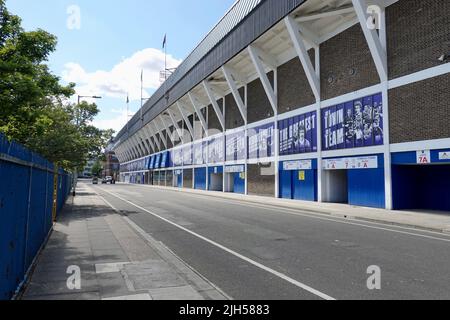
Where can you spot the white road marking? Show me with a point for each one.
(323, 216)
(234, 253)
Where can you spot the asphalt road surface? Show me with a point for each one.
(261, 252)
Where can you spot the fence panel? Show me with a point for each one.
(26, 203)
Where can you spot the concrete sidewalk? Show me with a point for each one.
(430, 221)
(117, 260)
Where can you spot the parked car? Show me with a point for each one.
(109, 180)
(95, 180)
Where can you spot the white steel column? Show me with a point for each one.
(175, 125)
(299, 45)
(158, 131)
(149, 138)
(231, 76)
(377, 49)
(258, 56)
(186, 119)
(386, 121)
(214, 103)
(161, 128)
(198, 111)
(166, 127)
(153, 132)
(142, 137)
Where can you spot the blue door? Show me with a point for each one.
(286, 184)
(304, 185)
(179, 181)
(200, 178)
(239, 182)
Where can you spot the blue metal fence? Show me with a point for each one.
(27, 190)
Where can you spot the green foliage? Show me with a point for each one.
(97, 169)
(34, 106)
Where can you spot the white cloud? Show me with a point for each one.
(116, 123)
(123, 78)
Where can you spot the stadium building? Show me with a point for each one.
(341, 101)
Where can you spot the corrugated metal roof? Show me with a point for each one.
(239, 10)
(241, 25)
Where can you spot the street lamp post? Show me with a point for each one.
(75, 172)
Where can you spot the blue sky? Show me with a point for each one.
(115, 40)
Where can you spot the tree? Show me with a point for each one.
(67, 136)
(34, 107)
(97, 169)
(26, 84)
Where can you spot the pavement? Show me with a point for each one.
(261, 249)
(425, 220)
(114, 258)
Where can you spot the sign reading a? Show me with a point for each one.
(351, 163)
(297, 165)
(444, 155)
(424, 157)
(234, 169)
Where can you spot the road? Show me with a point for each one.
(261, 252)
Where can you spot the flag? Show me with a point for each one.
(142, 76)
(164, 41)
(128, 99)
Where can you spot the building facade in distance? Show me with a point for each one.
(330, 101)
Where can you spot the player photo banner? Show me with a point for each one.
(298, 134)
(216, 152)
(261, 142)
(200, 153)
(354, 124)
(235, 146)
(177, 157)
(187, 155)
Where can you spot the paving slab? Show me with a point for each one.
(116, 260)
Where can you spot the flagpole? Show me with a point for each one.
(142, 97)
(128, 112)
(165, 67)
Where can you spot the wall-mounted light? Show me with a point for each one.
(330, 79)
(444, 58)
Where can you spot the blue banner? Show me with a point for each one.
(151, 165)
(235, 146)
(216, 152)
(261, 141)
(354, 124)
(165, 160)
(157, 161)
(298, 134)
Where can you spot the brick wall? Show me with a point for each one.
(261, 180)
(258, 104)
(420, 111)
(187, 178)
(294, 90)
(346, 64)
(233, 117)
(418, 34)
